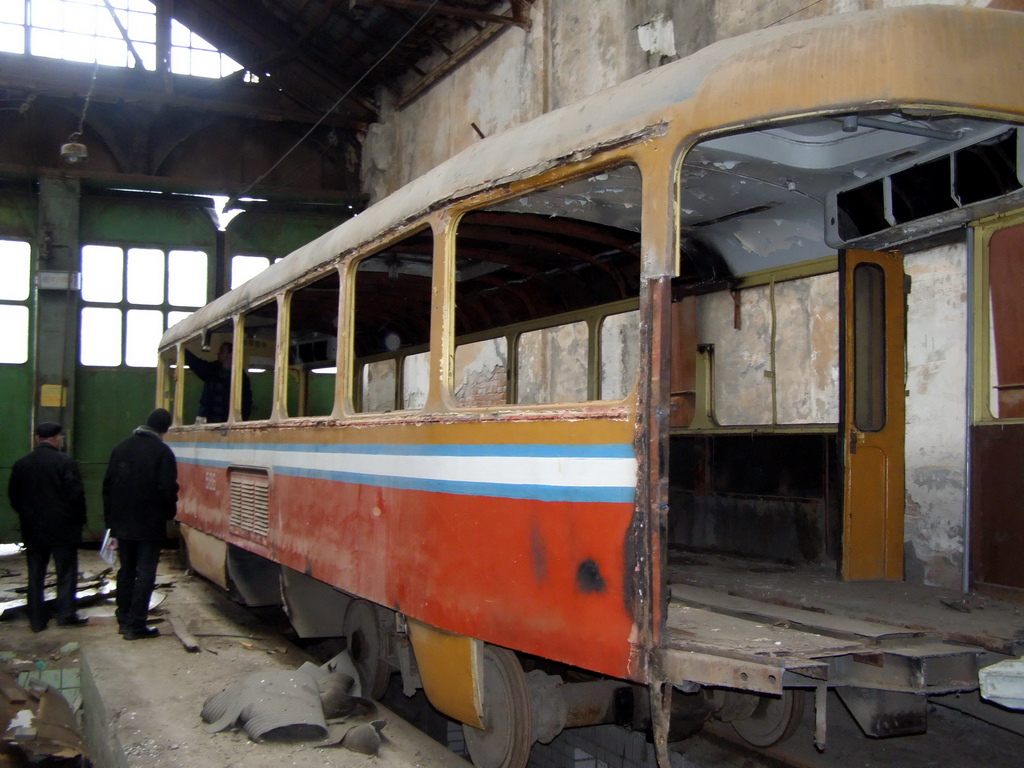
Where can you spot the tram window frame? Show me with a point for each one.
(191, 386)
(386, 330)
(606, 203)
(118, 304)
(259, 362)
(15, 300)
(787, 326)
(619, 333)
(309, 348)
(999, 372)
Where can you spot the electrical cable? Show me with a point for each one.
(234, 199)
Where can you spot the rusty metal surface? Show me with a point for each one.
(997, 528)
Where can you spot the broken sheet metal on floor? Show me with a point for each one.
(1003, 683)
(318, 704)
(91, 587)
(36, 722)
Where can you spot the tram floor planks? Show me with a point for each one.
(812, 600)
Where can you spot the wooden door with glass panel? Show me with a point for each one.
(874, 339)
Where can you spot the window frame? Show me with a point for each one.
(980, 314)
(28, 303)
(123, 305)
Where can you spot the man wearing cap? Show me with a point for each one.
(140, 494)
(47, 493)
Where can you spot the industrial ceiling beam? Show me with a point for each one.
(441, 9)
(67, 80)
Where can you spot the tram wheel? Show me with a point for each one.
(506, 738)
(365, 642)
(774, 719)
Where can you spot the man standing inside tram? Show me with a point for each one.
(216, 376)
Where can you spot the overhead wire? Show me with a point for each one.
(234, 199)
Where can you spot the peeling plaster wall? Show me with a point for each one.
(936, 415)
(573, 48)
(805, 328)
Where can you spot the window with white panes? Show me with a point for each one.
(118, 33)
(245, 268)
(130, 296)
(15, 291)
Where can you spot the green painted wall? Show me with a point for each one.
(18, 215)
(111, 402)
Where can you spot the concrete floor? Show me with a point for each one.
(142, 699)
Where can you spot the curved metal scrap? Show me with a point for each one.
(274, 705)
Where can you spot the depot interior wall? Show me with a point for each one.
(936, 435)
(573, 48)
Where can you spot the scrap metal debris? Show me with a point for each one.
(37, 723)
(91, 587)
(310, 704)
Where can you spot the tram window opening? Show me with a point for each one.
(552, 365)
(807, 350)
(868, 347)
(620, 354)
(207, 380)
(313, 347)
(739, 325)
(481, 372)
(1006, 336)
(259, 361)
(392, 318)
(378, 386)
(415, 378)
(544, 268)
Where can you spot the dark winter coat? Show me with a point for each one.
(140, 489)
(216, 394)
(46, 491)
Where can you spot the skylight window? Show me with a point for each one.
(121, 33)
(191, 55)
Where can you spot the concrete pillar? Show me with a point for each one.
(58, 281)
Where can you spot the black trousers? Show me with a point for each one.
(135, 581)
(65, 563)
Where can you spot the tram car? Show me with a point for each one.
(695, 400)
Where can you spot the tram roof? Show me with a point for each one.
(928, 56)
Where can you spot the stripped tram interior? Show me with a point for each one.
(828, 266)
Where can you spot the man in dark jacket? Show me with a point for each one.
(140, 494)
(46, 491)
(216, 376)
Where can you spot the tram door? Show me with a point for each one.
(874, 340)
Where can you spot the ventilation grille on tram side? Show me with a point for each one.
(250, 495)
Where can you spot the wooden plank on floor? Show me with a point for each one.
(710, 631)
(814, 621)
